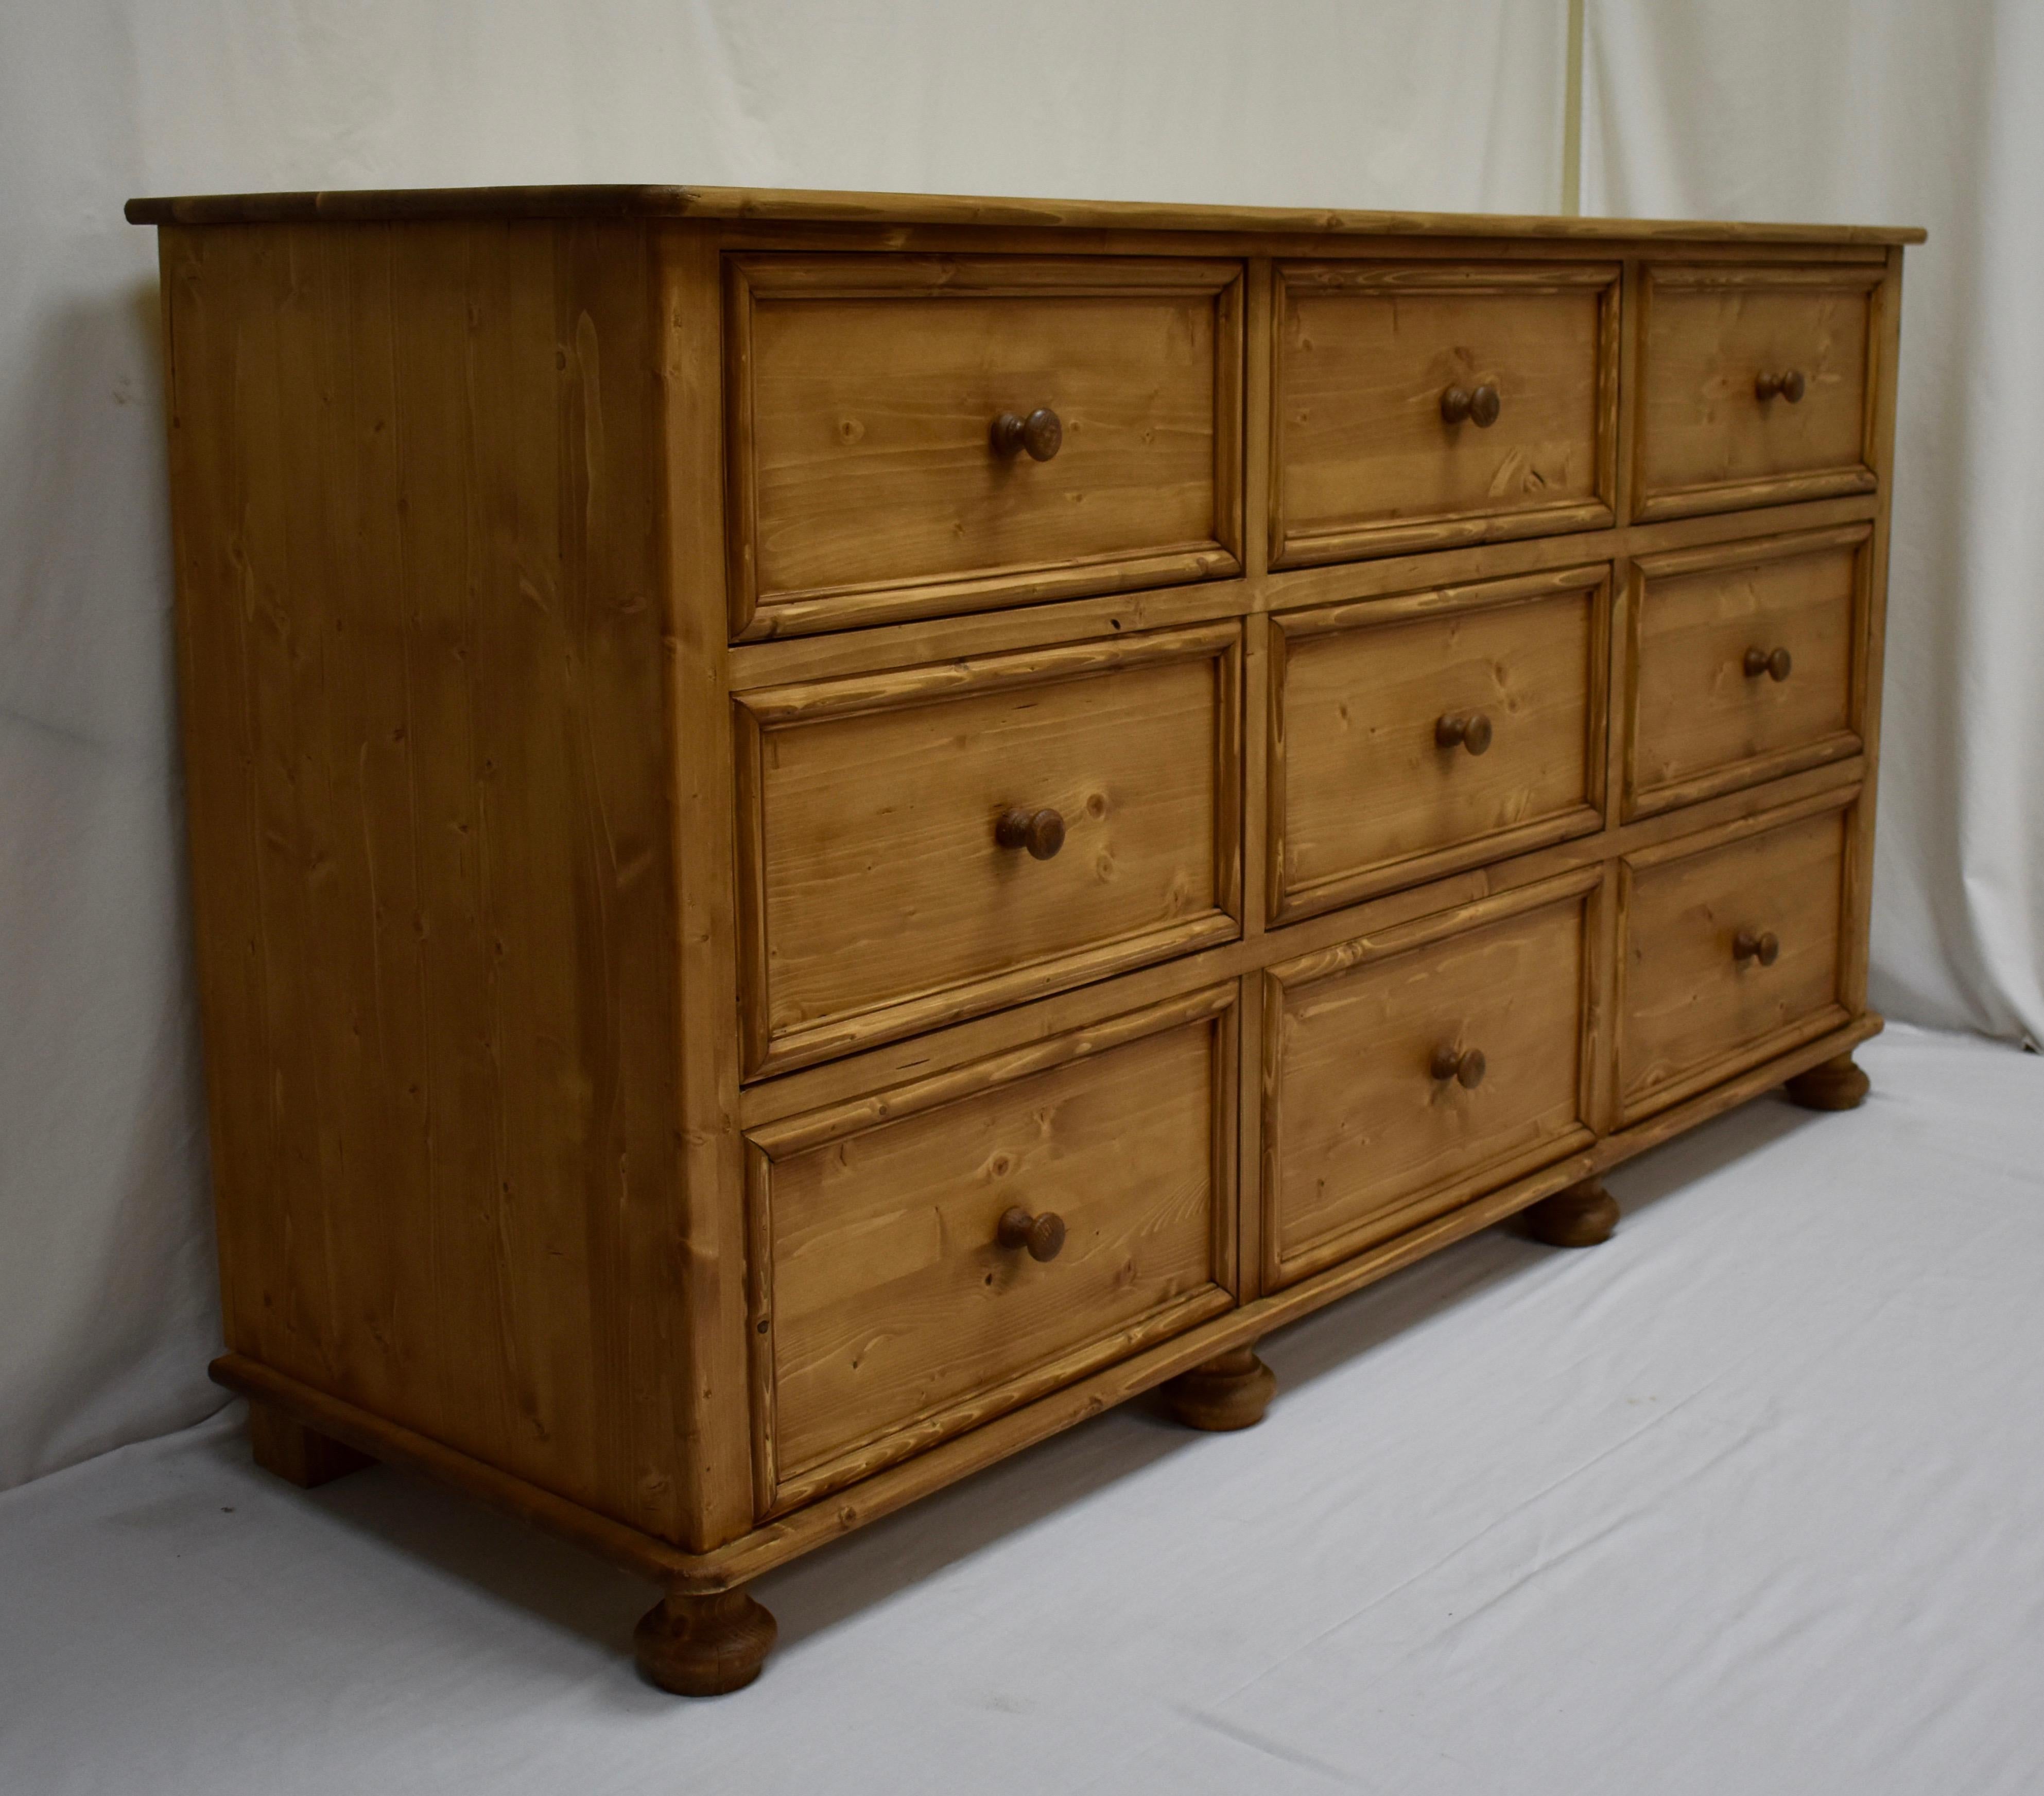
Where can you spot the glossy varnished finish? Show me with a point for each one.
(724, 731)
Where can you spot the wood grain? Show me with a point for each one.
(816, 206)
(705, 1279)
(863, 392)
(1697, 722)
(1705, 442)
(629, 1047)
(879, 899)
(1691, 1010)
(1361, 1138)
(420, 657)
(890, 1314)
(777, 1541)
(1362, 462)
(1362, 795)
(1857, 921)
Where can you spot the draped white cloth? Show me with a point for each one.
(1920, 112)
(107, 1314)
(1743, 1503)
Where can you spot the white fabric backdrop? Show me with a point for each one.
(1919, 112)
(106, 1311)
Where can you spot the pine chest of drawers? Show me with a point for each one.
(831, 831)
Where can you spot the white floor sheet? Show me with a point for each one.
(1749, 1500)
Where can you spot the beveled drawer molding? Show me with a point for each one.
(890, 1306)
(1405, 1072)
(1732, 949)
(722, 734)
(1756, 385)
(879, 894)
(870, 477)
(1746, 661)
(1411, 736)
(1421, 405)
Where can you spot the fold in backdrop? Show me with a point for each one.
(1910, 111)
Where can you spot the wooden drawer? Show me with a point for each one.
(866, 482)
(1363, 1138)
(1712, 434)
(1371, 786)
(876, 896)
(1743, 663)
(1696, 1003)
(886, 1312)
(1365, 459)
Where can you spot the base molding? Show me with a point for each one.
(775, 1543)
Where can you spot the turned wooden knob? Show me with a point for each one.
(1469, 729)
(1042, 433)
(1789, 385)
(1466, 1068)
(1763, 947)
(1041, 832)
(1480, 406)
(1775, 666)
(1041, 1235)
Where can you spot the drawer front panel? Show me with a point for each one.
(1716, 430)
(891, 1315)
(1731, 949)
(867, 481)
(878, 895)
(1365, 1134)
(1413, 736)
(1368, 455)
(1744, 660)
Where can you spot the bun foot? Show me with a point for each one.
(1581, 1216)
(1230, 1390)
(1835, 1084)
(298, 1454)
(704, 1645)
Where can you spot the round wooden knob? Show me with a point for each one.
(1764, 947)
(1470, 729)
(1479, 405)
(1789, 385)
(1466, 1068)
(1776, 666)
(1042, 433)
(1041, 832)
(1042, 1236)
